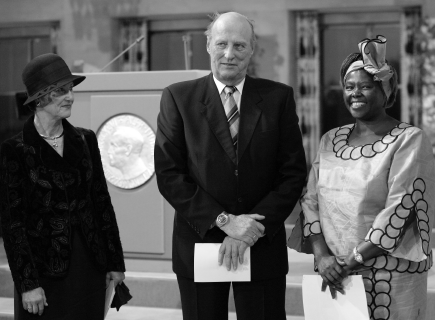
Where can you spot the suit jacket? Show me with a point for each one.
(42, 194)
(200, 175)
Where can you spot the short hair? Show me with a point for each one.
(42, 101)
(393, 80)
(216, 15)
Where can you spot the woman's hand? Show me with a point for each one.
(116, 276)
(332, 274)
(34, 301)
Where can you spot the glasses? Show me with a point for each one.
(64, 89)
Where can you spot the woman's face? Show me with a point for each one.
(61, 103)
(363, 96)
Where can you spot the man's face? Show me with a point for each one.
(230, 48)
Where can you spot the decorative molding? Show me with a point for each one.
(135, 59)
(308, 80)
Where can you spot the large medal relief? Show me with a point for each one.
(126, 144)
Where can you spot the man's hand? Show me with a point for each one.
(232, 250)
(245, 227)
(332, 274)
(116, 276)
(34, 301)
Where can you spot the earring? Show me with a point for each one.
(38, 103)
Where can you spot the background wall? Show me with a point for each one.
(87, 27)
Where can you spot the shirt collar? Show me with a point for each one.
(220, 86)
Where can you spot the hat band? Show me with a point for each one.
(54, 72)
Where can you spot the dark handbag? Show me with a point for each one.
(121, 297)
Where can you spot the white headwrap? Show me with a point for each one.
(373, 54)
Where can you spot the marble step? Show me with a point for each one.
(160, 290)
(125, 313)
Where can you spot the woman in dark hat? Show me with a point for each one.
(369, 207)
(59, 227)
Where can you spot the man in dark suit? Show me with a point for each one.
(229, 159)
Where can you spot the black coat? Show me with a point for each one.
(41, 192)
(200, 175)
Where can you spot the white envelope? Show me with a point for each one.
(110, 293)
(320, 305)
(207, 269)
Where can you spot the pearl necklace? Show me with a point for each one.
(54, 144)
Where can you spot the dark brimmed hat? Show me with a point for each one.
(46, 73)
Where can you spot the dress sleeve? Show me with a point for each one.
(308, 223)
(105, 212)
(13, 216)
(403, 228)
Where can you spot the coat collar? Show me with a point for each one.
(73, 147)
(250, 111)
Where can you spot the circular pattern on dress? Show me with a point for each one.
(380, 262)
(356, 153)
(346, 152)
(392, 264)
(423, 226)
(343, 150)
(379, 146)
(404, 266)
(393, 232)
(396, 222)
(422, 205)
(369, 298)
(407, 202)
(312, 229)
(382, 287)
(367, 151)
(368, 284)
(375, 236)
(416, 195)
(419, 185)
(381, 313)
(413, 267)
(383, 276)
(387, 242)
(382, 299)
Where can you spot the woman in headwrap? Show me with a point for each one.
(369, 206)
(59, 227)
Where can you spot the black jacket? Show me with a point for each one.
(41, 192)
(200, 174)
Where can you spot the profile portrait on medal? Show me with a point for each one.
(127, 144)
(124, 152)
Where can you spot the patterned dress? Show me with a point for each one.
(382, 193)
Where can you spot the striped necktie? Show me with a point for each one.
(232, 112)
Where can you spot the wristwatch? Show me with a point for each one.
(357, 256)
(222, 219)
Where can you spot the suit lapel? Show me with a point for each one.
(250, 111)
(214, 113)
